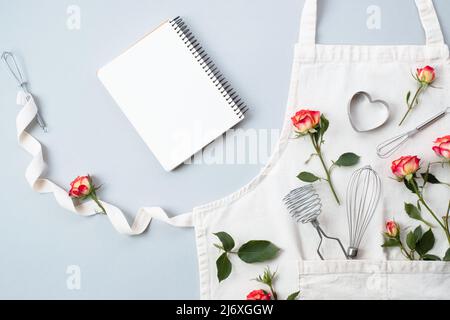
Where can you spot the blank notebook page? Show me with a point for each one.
(168, 96)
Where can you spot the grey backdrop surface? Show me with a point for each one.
(252, 42)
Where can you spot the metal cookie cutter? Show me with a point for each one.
(370, 102)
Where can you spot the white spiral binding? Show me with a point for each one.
(37, 166)
(211, 70)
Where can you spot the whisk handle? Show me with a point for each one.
(322, 233)
(432, 120)
(352, 252)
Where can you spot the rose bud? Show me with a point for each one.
(426, 75)
(442, 147)
(258, 295)
(392, 229)
(305, 121)
(81, 187)
(405, 167)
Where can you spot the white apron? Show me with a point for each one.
(324, 77)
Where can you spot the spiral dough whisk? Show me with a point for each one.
(304, 206)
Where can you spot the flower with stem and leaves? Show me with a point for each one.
(268, 278)
(424, 77)
(314, 125)
(250, 252)
(82, 187)
(418, 243)
(406, 170)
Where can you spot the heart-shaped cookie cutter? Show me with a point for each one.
(371, 101)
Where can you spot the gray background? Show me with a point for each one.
(252, 42)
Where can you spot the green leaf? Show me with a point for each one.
(391, 242)
(223, 267)
(447, 255)
(226, 239)
(347, 160)
(293, 296)
(426, 243)
(257, 251)
(431, 257)
(324, 124)
(411, 240)
(307, 177)
(414, 213)
(408, 95)
(418, 233)
(430, 178)
(409, 185)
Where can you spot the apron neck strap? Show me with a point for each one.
(427, 13)
(430, 22)
(308, 22)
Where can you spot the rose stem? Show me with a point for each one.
(447, 215)
(422, 200)
(327, 173)
(274, 294)
(94, 197)
(405, 253)
(410, 106)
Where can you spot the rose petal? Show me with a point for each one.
(84, 190)
(442, 140)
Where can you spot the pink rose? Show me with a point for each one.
(405, 167)
(305, 120)
(81, 187)
(426, 75)
(392, 229)
(442, 147)
(258, 295)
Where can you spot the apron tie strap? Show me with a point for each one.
(37, 166)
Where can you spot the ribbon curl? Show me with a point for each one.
(41, 185)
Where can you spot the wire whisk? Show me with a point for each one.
(13, 67)
(388, 147)
(304, 206)
(363, 194)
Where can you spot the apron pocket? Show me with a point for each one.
(363, 279)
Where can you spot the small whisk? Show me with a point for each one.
(13, 67)
(363, 194)
(388, 147)
(305, 206)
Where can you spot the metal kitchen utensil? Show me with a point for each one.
(13, 67)
(388, 147)
(305, 206)
(358, 127)
(363, 194)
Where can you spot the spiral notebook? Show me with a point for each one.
(172, 93)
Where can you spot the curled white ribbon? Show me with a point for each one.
(37, 166)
